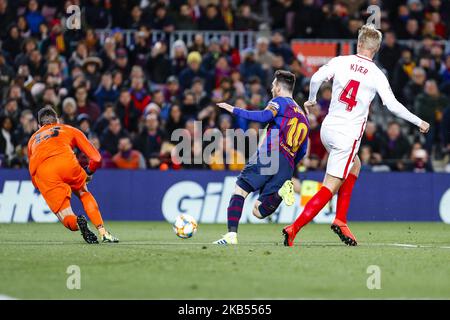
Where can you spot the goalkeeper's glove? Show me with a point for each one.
(89, 173)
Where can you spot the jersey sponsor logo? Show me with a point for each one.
(20, 202)
(209, 205)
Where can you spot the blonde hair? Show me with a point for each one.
(369, 37)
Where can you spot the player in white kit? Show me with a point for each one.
(356, 80)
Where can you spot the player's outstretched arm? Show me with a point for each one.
(258, 116)
(394, 106)
(325, 73)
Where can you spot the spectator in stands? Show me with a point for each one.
(402, 73)
(365, 155)
(430, 106)
(13, 42)
(192, 71)
(85, 105)
(161, 20)
(212, 20)
(150, 140)
(6, 18)
(445, 73)
(7, 142)
(245, 20)
(139, 94)
(184, 19)
(34, 17)
(279, 47)
(307, 20)
(121, 62)
(414, 87)
(209, 60)
(105, 91)
(390, 53)
(175, 120)
(420, 161)
(372, 138)
(198, 44)
(159, 64)
(112, 134)
(395, 147)
(127, 111)
(178, 55)
(103, 121)
(84, 124)
(189, 105)
(26, 127)
(127, 157)
(250, 68)
(201, 98)
(262, 53)
(97, 16)
(69, 111)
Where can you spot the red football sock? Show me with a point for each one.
(313, 207)
(344, 195)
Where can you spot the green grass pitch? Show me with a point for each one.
(152, 263)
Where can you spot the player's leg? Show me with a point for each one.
(269, 203)
(234, 212)
(342, 150)
(74, 223)
(91, 208)
(330, 186)
(339, 225)
(249, 180)
(278, 188)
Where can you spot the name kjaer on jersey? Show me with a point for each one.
(357, 68)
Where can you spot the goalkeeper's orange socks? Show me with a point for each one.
(70, 222)
(91, 208)
(312, 208)
(344, 196)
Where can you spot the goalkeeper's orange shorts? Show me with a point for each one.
(56, 178)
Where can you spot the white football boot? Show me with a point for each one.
(228, 238)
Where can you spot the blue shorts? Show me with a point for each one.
(250, 179)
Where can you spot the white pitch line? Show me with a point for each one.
(248, 244)
(5, 297)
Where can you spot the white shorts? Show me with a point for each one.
(342, 150)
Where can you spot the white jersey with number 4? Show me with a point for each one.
(356, 80)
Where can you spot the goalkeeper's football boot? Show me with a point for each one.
(229, 238)
(286, 192)
(289, 236)
(108, 238)
(344, 233)
(87, 234)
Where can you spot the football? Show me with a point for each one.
(185, 226)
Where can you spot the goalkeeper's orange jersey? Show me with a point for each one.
(60, 140)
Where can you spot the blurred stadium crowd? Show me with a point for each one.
(129, 99)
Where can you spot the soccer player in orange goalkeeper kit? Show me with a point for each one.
(56, 173)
